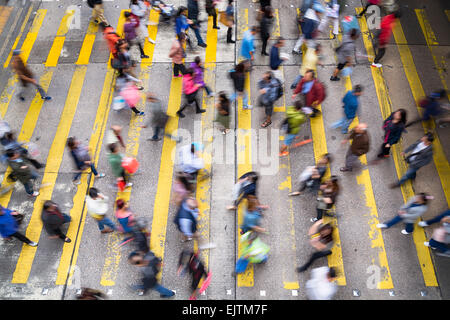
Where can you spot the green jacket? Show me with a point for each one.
(294, 120)
(115, 160)
(255, 252)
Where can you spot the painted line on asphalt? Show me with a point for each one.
(27, 45)
(58, 43)
(242, 23)
(88, 43)
(385, 104)
(12, 28)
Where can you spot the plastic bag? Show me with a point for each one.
(118, 103)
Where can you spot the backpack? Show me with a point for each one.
(91, 3)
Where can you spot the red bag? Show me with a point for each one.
(130, 164)
(121, 184)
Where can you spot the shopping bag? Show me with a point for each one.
(241, 265)
(130, 164)
(118, 103)
(224, 19)
(121, 184)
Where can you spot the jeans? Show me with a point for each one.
(438, 218)
(380, 54)
(442, 247)
(78, 174)
(29, 185)
(384, 151)
(207, 89)
(344, 123)
(196, 28)
(316, 255)
(38, 87)
(229, 34)
(106, 222)
(409, 227)
(162, 290)
(264, 39)
(410, 174)
(244, 98)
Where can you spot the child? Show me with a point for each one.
(197, 66)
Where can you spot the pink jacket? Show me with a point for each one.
(176, 52)
(189, 84)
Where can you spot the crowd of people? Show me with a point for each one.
(308, 93)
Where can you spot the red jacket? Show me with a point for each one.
(317, 92)
(387, 23)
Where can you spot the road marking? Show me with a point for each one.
(275, 35)
(113, 255)
(244, 158)
(149, 48)
(242, 16)
(27, 45)
(58, 43)
(88, 43)
(79, 210)
(54, 159)
(203, 192)
(384, 101)
(441, 63)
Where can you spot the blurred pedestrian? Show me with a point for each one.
(269, 88)
(359, 146)
(114, 135)
(351, 104)
(312, 176)
(223, 112)
(130, 26)
(253, 250)
(190, 162)
(25, 76)
(177, 54)
(210, 7)
(431, 106)
(158, 119)
(436, 219)
(331, 13)
(82, 159)
(230, 19)
(441, 238)
(321, 239)
(310, 60)
(383, 36)
(312, 93)
(329, 190)
(97, 206)
(238, 76)
(409, 213)
(266, 25)
(190, 90)
(190, 261)
(292, 124)
(182, 24)
(393, 127)
(53, 219)
(345, 53)
(9, 226)
(198, 66)
(10, 142)
(182, 188)
(322, 285)
(186, 219)
(253, 216)
(22, 171)
(193, 12)
(125, 216)
(115, 161)
(248, 46)
(141, 10)
(276, 59)
(98, 12)
(309, 24)
(421, 155)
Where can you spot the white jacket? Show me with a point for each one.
(189, 162)
(97, 208)
(318, 287)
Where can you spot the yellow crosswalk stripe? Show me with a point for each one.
(242, 26)
(88, 43)
(203, 192)
(113, 255)
(19, 36)
(384, 101)
(58, 43)
(27, 45)
(79, 211)
(441, 63)
(275, 34)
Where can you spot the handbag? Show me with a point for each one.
(225, 20)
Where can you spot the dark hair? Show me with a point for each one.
(225, 101)
(403, 115)
(254, 176)
(120, 204)
(328, 238)
(424, 196)
(230, 1)
(328, 156)
(268, 11)
(298, 104)
(132, 255)
(311, 71)
(93, 192)
(332, 272)
(430, 136)
(254, 29)
(184, 180)
(112, 147)
(354, 33)
(358, 88)
(397, 14)
(48, 204)
(9, 135)
(71, 142)
(127, 14)
(197, 60)
(181, 9)
(240, 67)
(10, 153)
(279, 40)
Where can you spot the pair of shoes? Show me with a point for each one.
(201, 111)
(141, 113)
(165, 296)
(67, 240)
(313, 219)
(376, 65)
(129, 184)
(47, 98)
(381, 226)
(35, 194)
(264, 54)
(33, 244)
(107, 230)
(216, 27)
(300, 269)
(203, 45)
(231, 41)
(345, 169)
(334, 78)
(405, 232)
(144, 56)
(186, 240)
(423, 224)
(181, 115)
(76, 182)
(154, 139)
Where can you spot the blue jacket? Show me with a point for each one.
(247, 45)
(8, 225)
(181, 24)
(350, 104)
(275, 60)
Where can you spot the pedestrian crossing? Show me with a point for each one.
(161, 207)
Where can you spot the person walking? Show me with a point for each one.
(238, 77)
(190, 161)
(275, 58)
(393, 127)
(177, 54)
(198, 67)
(129, 29)
(252, 216)
(9, 142)
(431, 105)
(421, 155)
(441, 238)
(310, 60)
(115, 161)
(332, 13)
(182, 188)
(386, 25)
(22, 171)
(322, 285)
(292, 124)
(25, 76)
(141, 11)
(436, 219)
(82, 159)
(193, 12)
(223, 112)
(190, 90)
(329, 191)
(210, 7)
(182, 24)
(230, 18)
(125, 217)
(312, 92)
(98, 11)
(158, 119)
(409, 213)
(246, 186)
(97, 206)
(345, 53)
(248, 46)
(150, 266)
(53, 219)
(190, 261)
(266, 25)
(312, 176)
(309, 24)
(9, 226)
(359, 146)
(351, 103)
(269, 87)
(253, 250)
(321, 239)
(186, 219)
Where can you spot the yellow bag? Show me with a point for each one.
(225, 20)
